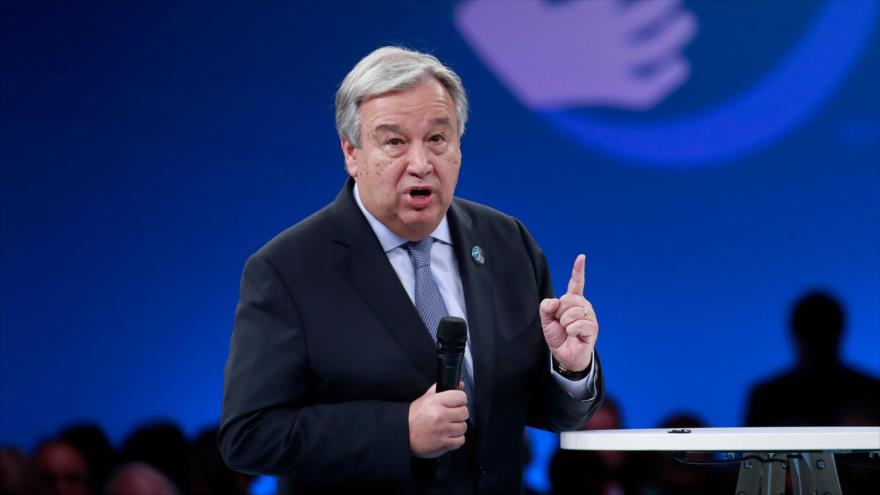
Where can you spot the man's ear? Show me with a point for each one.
(350, 152)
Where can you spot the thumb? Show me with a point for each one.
(548, 311)
(431, 390)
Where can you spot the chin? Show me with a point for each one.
(421, 226)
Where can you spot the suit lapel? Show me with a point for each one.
(478, 294)
(366, 265)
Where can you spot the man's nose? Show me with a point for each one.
(419, 163)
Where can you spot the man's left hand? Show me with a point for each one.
(570, 324)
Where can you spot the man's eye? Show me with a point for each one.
(438, 138)
(394, 141)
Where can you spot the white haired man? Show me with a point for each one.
(330, 383)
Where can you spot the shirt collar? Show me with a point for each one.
(389, 240)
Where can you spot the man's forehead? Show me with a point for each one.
(390, 124)
(428, 101)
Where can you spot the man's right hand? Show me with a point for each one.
(437, 422)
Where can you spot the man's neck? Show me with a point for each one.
(388, 238)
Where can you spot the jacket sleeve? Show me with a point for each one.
(271, 423)
(550, 406)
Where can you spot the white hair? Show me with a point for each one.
(387, 69)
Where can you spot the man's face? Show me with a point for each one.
(407, 166)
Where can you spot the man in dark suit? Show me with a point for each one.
(330, 379)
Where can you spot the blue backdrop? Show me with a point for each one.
(149, 148)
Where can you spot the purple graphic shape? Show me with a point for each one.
(602, 52)
(750, 121)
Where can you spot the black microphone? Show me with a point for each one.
(451, 340)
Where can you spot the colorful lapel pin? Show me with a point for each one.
(477, 255)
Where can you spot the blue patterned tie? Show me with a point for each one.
(428, 301)
(430, 304)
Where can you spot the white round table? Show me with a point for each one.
(766, 453)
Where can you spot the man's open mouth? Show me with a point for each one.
(417, 193)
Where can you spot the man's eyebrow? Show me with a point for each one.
(398, 129)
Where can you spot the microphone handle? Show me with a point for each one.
(448, 376)
(448, 371)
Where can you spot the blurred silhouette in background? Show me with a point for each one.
(820, 390)
(93, 444)
(155, 459)
(162, 445)
(602, 472)
(138, 478)
(16, 477)
(61, 469)
(210, 475)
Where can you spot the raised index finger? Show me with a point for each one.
(576, 282)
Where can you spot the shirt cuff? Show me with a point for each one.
(583, 389)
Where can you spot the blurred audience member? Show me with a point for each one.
(602, 472)
(138, 478)
(163, 446)
(820, 390)
(16, 477)
(92, 443)
(578, 472)
(61, 469)
(210, 475)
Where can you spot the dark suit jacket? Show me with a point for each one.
(328, 352)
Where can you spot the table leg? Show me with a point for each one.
(760, 474)
(815, 474)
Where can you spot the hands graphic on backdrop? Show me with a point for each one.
(581, 53)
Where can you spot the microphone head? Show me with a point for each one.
(452, 329)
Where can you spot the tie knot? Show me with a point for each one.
(420, 252)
